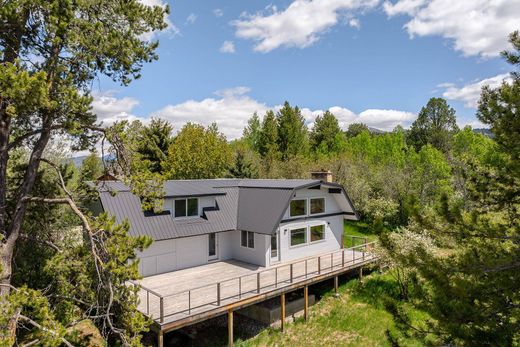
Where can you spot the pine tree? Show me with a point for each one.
(326, 134)
(292, 132)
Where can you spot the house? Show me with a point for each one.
(262, 222)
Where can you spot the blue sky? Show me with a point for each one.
(372, 61)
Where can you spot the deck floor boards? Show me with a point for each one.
(194, 290)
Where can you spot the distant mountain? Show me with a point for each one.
(78, 161)
(484, 131)
(376, 131)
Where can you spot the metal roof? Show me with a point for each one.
(252, 205)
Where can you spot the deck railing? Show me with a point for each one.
(254, 283)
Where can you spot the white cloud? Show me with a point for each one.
(110, 109)
(378, 118)
(476, 27)
(355, 23)
(227, 47)
(299, 25)
(170, 28)
(469, 94)
(230, 111)
(218, 12)
(191, 18)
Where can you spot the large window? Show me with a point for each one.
(298, 236)
(186, 207)
(247, 239)
(317, 232)
(298, 207)
(317, 205)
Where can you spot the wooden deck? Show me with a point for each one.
(200, 292)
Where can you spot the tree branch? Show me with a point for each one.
(41, 327)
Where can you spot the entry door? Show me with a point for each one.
(212, 246)
(275, 252)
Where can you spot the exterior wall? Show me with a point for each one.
(256, 256)
(331, 203)
(332, 241)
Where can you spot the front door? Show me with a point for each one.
(212, 246)
(274, 248)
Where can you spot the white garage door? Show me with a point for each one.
(191, 251)
(159, 258)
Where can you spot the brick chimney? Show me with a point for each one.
(324, 175)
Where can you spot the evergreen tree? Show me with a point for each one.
(268, 139)
(292, 132)
(326, 134)
(252, 132)
(154, 141)
(355, 129)
(436, 124)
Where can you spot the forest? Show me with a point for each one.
(443, 201)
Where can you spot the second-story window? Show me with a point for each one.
(186, 207)
(317, 205)
(298, 208)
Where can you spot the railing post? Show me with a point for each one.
(258, 282)
(331, 261)
(161, 308)
(240, 287)
(147, 302)
(189, 301)
(276, 277)
(218, 294)
(291, 269)
(305, 268)
(319, 265)
(343, 258)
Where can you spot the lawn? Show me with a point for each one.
(359, 229)
(356, 318)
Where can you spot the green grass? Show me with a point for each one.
(359, 229)
(356, 318)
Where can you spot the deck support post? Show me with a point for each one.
(160, 339)
(282, 312)
(306, 302)
(230, 327)
(336, 280)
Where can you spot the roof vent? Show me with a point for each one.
(324, 175)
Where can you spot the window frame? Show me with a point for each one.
(324, 205)
(250, 236)
(306, 213)
(324, 233)
(306, 241)
(197, 214)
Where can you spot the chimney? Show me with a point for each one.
(324, 175)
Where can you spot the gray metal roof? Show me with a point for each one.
(252, 205)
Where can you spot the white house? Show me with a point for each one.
(261, 222)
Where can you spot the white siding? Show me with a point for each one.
(192, 251)
(332, 242)
(255, 256)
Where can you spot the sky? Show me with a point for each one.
(371, 61)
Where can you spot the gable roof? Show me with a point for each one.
(241, 204)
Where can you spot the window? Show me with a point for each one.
(247, 239)
(298, 236)
(317, 232)
(298, 207)
(186, 207)
(317, 205)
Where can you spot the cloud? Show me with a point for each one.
(191, 18)
(110, 109)
(378, 118)
(170, 28)
(354, 23)
(469, 94)
(227, 47)
(476, 27)
(218, 12)
(230, 111)
(231, 108)
(299, 25)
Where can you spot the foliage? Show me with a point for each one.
(253, 132)
(435, 125)
(198, 152)
(326, 135)
(246, 162)
(292, 132)
(153, 143)
(354, 129)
